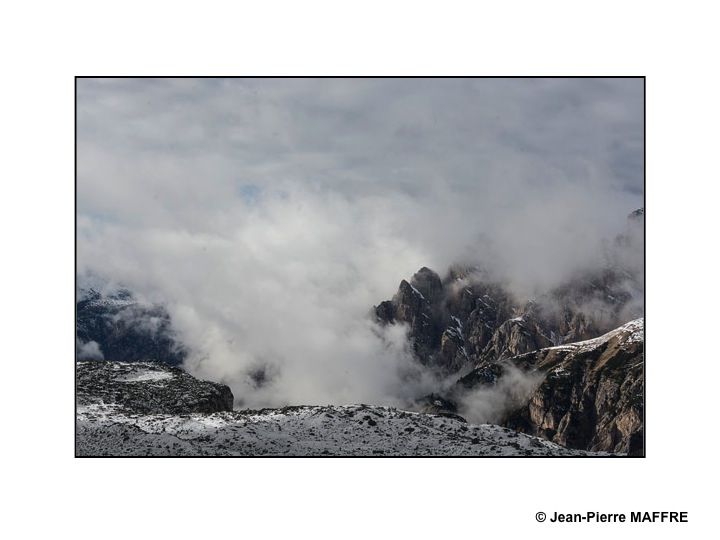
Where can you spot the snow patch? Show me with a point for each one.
(354, 430)
(146, 376)
(633, 331)
(417, 292)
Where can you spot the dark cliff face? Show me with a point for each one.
(413, 308)
(515, 336)
(125, 330)
(588, 395)
(592, 394)
(417, 304)
(428, 284)
(462, 322)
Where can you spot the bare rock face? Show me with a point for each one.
(446, 319)
(592, 397)
(468, 320)
(413, 308)
(416, 305)
(491, 307)
(452, 354)
(591, 394)
(515, 336)
(148, 388)
(428, 283)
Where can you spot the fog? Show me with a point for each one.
(490, 404)
(270, 215)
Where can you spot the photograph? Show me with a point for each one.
(359, 270)
(360, 266)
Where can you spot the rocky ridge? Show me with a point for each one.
(467, 321)
(589, 394)
(143, 409)
(470, 331)
(148, 388)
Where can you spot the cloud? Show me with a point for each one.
(490, 404)
(271, 214)
(89, 351)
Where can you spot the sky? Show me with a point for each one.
(270, 215)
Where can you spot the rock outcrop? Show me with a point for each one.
(417, 304)
(455, 324)
(148, 388)
(467, 318)
(471, 331)
(590, 394)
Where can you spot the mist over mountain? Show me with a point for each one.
(446, 335)
(267, 216)
(259, 228)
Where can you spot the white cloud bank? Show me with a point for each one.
(270, 215)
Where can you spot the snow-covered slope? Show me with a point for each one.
(357, 430)
(152, 409)
(628, 333)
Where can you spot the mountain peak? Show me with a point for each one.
(427, 283)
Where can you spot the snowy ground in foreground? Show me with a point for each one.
(357, 430)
